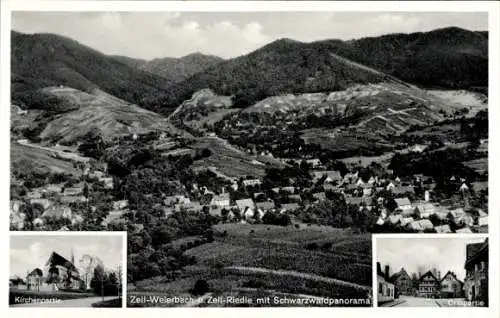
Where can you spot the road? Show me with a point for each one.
(259, 270)
(410, 301)
(79, 302)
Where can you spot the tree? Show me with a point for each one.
(88, 264)
(391, 204)
(201, 287)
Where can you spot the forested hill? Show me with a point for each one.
(447, 58)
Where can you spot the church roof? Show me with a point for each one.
(56, 259)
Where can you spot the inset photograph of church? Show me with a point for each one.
(77, 269)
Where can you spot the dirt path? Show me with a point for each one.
(259, 270)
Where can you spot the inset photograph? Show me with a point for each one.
(432, 272)
(61, 270)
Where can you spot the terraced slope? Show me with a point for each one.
(104, 114)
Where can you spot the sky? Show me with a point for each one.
(32, 251)
(445, 254)
(149, 35)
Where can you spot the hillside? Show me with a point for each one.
(446, 58)
(178, 69)
(102, 113)
(283, 66)
(443, 58)
(43, 60)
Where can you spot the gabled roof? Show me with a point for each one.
(36, 272)
(474, 249)
(243, 203)
(452, 274)
(403, 201)
(428, 273)
(57, 259)
(267, 205)
(402, 272)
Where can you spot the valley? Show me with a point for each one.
(254, 176)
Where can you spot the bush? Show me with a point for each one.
(201, 287)
(312, 246)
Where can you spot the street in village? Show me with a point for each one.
(411, 301)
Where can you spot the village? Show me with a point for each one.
(396, 204)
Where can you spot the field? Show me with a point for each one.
(25, 159)
(231, 161)
(107, 114)
(479, 165)
(265, 260)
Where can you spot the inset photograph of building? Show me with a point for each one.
(66, 270)
(429, 272)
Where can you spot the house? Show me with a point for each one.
(108, 182)
(295, 198)
(290, 190)
(314, 162)
(34, 280)
(407, 211)
(290, 207)
(58, 212)
(426, 224)
(248, 213)
(54, 188)
(245, 203)
(320, 196)
(76, 219)
(399, 190)
(426, 210)
(74, 190)
(395, 219)
(330, 176)
(406, 221)
(482, 218)
(402, 282)
(73, 199)
(181, 199)
(113, 216)
(428, 285)
(460, 217)
(360, 182)
(415, 226)
(390, 186)
(350, 177)
(367, 192)
(386, 289)
(120, 205)
(191, 206)
(476, 277)
(463, 188)
(451, 286)
(380, 221)
(442, 229)
(265, 206)
(221, 200)
(45, 203)
(251, 183)
(403, 203)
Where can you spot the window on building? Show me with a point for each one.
(380, 288)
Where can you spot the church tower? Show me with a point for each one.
(72, 257)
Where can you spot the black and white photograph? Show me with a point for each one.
(59, 270)
(249, 156)
(432, 272)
